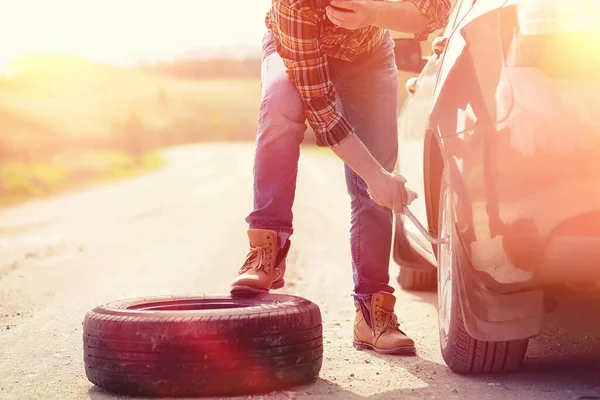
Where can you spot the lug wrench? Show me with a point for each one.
(423, 230)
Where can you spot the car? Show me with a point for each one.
(500, 138)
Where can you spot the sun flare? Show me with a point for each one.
(121, 32)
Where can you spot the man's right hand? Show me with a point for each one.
(388, 190)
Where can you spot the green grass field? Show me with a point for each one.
(67, 121)
(24, 180)
(72, 98)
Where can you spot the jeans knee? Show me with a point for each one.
(281, 110)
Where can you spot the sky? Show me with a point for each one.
(124, 31)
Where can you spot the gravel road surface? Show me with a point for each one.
(181, 231)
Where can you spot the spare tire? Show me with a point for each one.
(203, 346)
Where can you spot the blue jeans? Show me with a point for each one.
(367, 91)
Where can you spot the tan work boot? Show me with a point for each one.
(376, 327)
(264, 266)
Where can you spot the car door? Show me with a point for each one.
(412, 126)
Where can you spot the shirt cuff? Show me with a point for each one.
(430, 13)
(335, 134)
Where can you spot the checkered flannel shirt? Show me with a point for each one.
(305, 38)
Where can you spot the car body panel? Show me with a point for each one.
(413, 128)
(523, 154)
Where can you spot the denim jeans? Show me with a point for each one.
(367, 96)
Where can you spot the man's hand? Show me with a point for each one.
(388, 190)
(356, 14)
(400, 16)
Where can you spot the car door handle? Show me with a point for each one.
(438, 46)
(411, 85)
(423, 230)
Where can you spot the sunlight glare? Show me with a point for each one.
(122, 32)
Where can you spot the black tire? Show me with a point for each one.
(465, 355)
(203, 346)
(415, 280)
(461, 352)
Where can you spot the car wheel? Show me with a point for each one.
(415, 280)
(203, 346)
(461, 352)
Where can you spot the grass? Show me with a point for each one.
(67, 121)
(75, 98)
(24, 180)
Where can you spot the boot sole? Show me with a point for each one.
(406, 350)
(249, 291)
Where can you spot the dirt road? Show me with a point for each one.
(182, 231)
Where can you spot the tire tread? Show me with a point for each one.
(268, 348)
(467, 355)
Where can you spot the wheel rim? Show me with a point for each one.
(445, 261)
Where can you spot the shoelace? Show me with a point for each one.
(387, 319)
(256, 259)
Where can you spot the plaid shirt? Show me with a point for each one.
(305, 38)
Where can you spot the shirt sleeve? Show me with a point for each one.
(306, 63)
(437, 13)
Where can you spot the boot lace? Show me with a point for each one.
(386, 319)
(256, 259)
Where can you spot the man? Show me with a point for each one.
(332, 62)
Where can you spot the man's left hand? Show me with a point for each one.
(357, 14)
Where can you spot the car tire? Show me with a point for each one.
(465, 355)
(203, 346)
(418, 281)
(461, 352)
